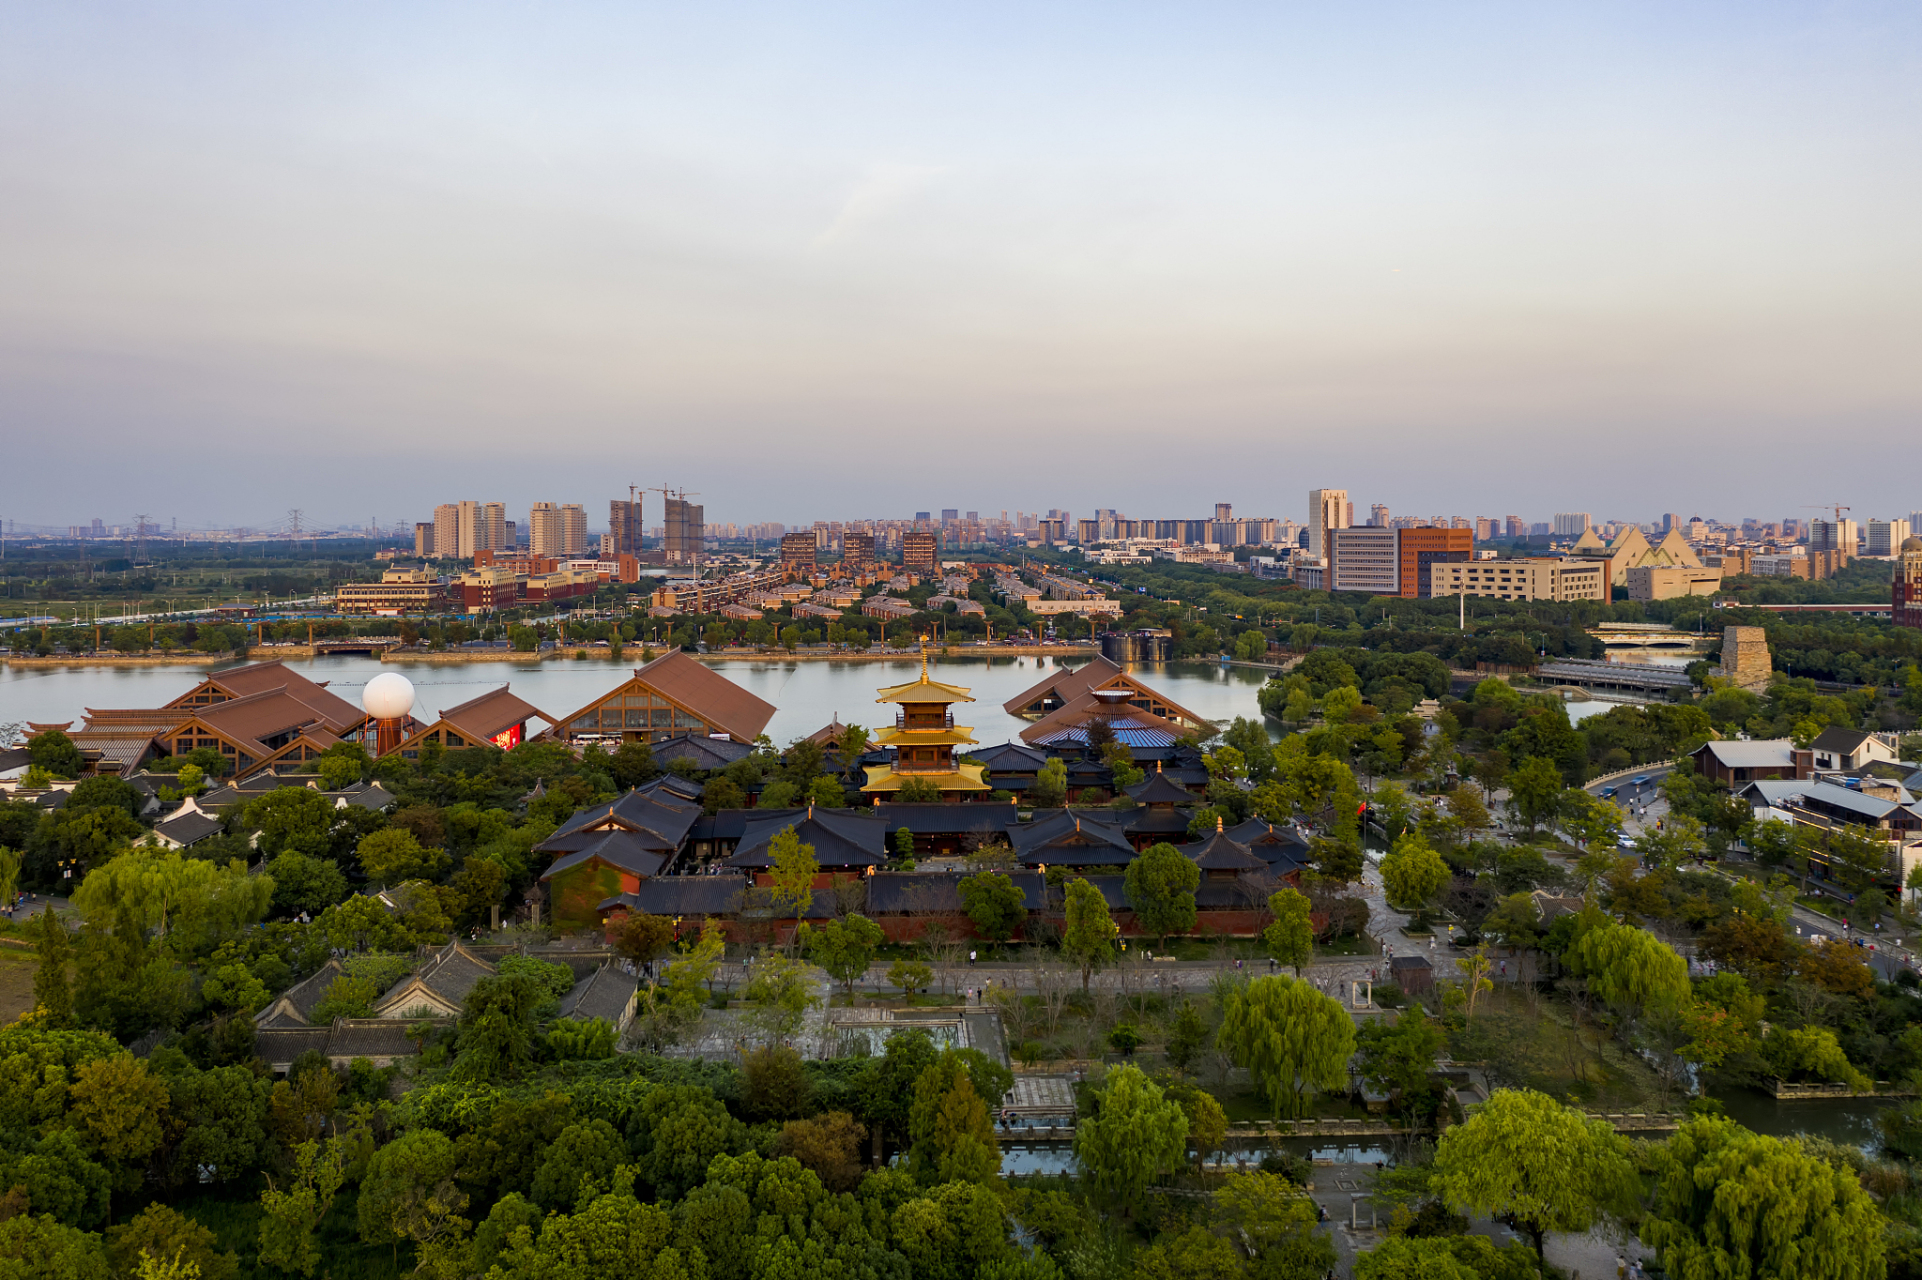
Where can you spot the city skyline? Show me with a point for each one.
(348, 255)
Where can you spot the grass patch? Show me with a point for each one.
(16, 982)
(1542, 1049)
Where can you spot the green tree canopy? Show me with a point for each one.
(1290, 1037)
(1161, 883)
(1728, 1202)
(1291, 938)
(1529, 1160)
(1135, 1135)
(845, 948)
(995, 903)
(1090, 930)
(1413, 873)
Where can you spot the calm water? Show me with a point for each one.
(807, 695)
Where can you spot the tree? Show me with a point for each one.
(1291, 938)
(1186, 1037)
(1445, 1258)
(496, 1036)
(42, 1246)
(904, 845)
(1398, 1059)
(1475, 980)
(885, 1088)
(845, 948)
(632, 764)
(791, 878)
(1728, 1202)
(782, 994)
(1596, 822)
(297, 818)
(54, 751)
(1207, 1122)
(995, 903)
(51, 994)
(1135, 1135)
(1049, 790)
(1090, 931)
(409, 1192)
(193, 902)
(1534, 1163)
(1630, 970)
(1161, 884)
(580, 1160)
(305, 884)
(1277, 1220)
(951, 1131)
(828, 1144)
(911, 976)
(641, 937)
(1535, 791)
(160, 1232)
(1413, 873)
(288, 1219)
(1291, 1038)
(393, 854)
(120, 1107)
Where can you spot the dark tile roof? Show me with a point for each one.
(1159, 823)
(1114, 889)
(730, 824)
(703, 752)
(1222, 852)
(1010, 757)
(363, 795)
(973, 818)
(659, 816)
(841, 838)
(686, 896)
(294, 1006)
(451, 974)
(630, 852)
(1838, 739)
(929, 892)
(15, 758)
(1159, 788)
(370, 1038)
(1281, 847)
(606, 993)
(1070, 839)
(279, 1046)
(1401, 964)
(189, 828)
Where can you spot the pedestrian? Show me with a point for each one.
(970, 958)
(1621, 1267)
(1504, 968)
(1237, 966)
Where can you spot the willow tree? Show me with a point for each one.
(1293, 1039)
(1728, 1202)
(1528, 1160)
(1135, 1135)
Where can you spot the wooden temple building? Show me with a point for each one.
(923, 738)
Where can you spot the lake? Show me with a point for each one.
(807, 695)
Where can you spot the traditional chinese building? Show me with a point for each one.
(924, 737)
(669, 696)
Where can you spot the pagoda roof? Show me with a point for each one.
(925, 690)
(1222, 852)
(965, 777)
(1159, 788)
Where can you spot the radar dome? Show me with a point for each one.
(388, 696)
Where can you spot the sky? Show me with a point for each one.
(828, 261)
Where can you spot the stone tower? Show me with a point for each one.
(1745, 657)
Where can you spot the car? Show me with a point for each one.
(1608, 793)
(1625, 842)
(1640, 779)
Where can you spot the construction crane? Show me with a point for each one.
(1836, 507)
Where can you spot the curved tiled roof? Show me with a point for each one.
(841, 838)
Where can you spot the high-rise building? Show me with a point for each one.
(624, 528)
(1834, 535)
(797, 552)
(1572, 524)
(447, 529)
(1087, 532)
(684, 531)
(920, 551)
(1224, 512)
(857, 551)
(1487, 528)
(559, 531)
(424, 538)
(949, 515)
(1513, 527)
(1363, 560)
(1420, 550)
(1328, 510)
(1378, 516)
(1671, 522)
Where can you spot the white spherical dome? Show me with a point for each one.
(388, 696)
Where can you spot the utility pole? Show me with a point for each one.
(140, 539)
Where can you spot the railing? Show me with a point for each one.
(908, 723)
(923, 766)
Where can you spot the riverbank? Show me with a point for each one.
(566, 653)
(182, 657)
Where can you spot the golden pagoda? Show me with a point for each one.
(924, 737)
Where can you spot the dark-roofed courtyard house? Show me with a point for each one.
(1284, 849)
(1067, 839)
(438, 988)
(674, 694)
(497, 718)
(611, 848)
(1163, 810)
(847, 842)
(186, 826)
(906, 903)
(607, 993)
(923, 738)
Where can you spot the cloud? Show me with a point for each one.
(885, 189)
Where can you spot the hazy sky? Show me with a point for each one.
(824, 261)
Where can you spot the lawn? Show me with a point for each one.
(1539, 1047)
(16, 982)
